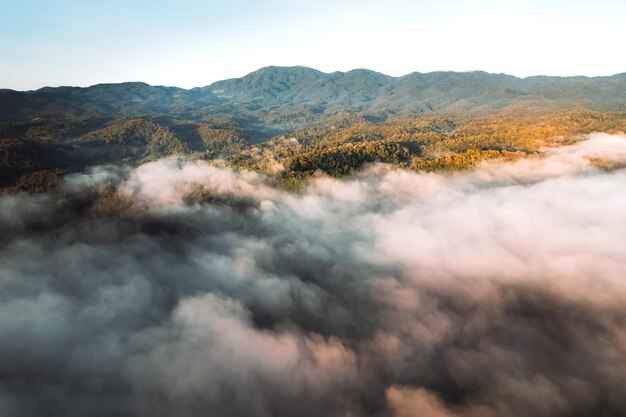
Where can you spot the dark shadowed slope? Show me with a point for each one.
(118, 99)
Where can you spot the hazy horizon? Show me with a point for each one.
(324, 72)
(194, 43)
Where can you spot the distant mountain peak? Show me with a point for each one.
(357, 90)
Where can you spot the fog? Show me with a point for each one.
(184, 289)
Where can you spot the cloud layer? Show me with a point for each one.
(183, 289)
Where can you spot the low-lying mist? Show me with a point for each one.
(183, 289)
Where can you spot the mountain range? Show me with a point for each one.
(296, 121)
(313, 91)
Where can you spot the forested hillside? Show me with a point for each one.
(294, 122)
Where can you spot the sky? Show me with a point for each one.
(189, 43)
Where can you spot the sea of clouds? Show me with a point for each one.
(183, 289)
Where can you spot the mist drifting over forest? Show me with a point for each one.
(182, 288)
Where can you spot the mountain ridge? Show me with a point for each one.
(279, 67)
(302, 119)
(362, 89)
(359, 90)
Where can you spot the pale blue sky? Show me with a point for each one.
(193, 43)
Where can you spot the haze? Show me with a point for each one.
(193, 43)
